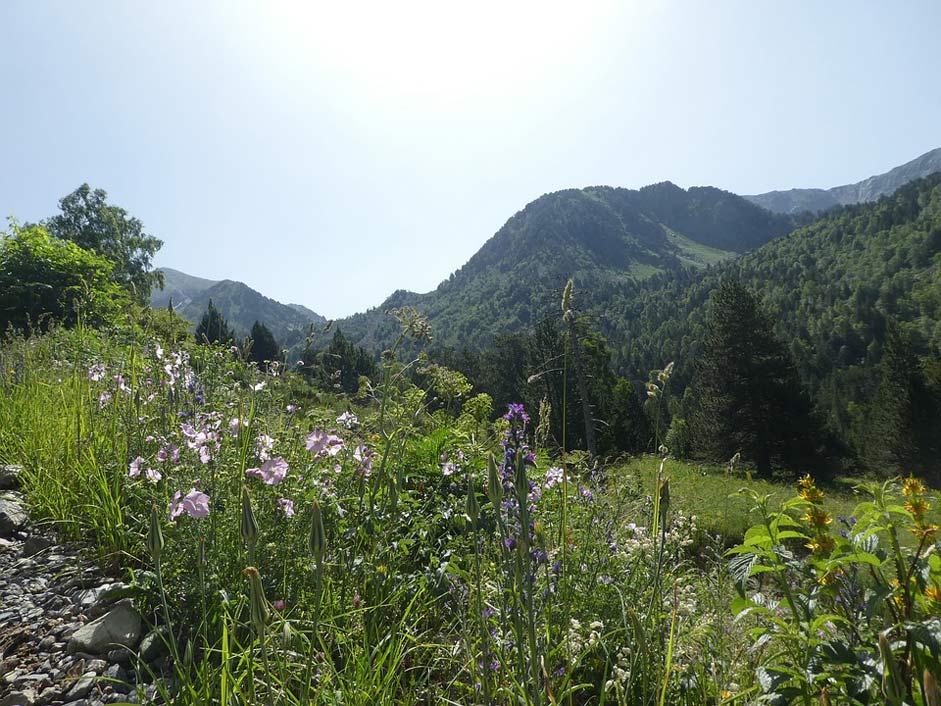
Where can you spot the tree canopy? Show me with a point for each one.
(89, 221)
(44, 279)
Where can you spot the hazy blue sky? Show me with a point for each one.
(328, 154)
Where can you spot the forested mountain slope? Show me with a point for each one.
(598, 236)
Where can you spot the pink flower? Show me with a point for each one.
(271, 472)
(286, 506)
(96, 372)
(264, 444)
(363, 456)
(134, 469)
(278, 605)
(205, 454)
(153, 475)
(323, 444)
(553, 476)
(194, 503)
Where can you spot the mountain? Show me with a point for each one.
(814, 200)
(239, 304)
(598, 235)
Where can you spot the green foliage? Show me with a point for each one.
(213, 328)
(90, 222)
(264, 348)
(747, 391)
(340, 366)
(45, 280)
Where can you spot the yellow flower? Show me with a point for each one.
(812, 495)
(933, 594)
(925, 533)
(917, 506)
(806, 482)
(912, 486)
(821, 544)
(817, 517)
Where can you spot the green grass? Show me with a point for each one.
(710, 494)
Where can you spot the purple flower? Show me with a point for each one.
(153, 475)
(96, 372)
(286, 506)
(363, 456)
(487, 612)
(509, 543)
(516, 413)
(291, 409)
(553, 477)
(278, 605)
(264, 444)
(271, 472)
(448, 468)
(194, 503)
(134, 469)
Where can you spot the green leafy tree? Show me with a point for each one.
(43, 279)
(750, 400)
(213, 327)
(89, 221)
(264, 346)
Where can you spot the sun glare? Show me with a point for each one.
(438, 52)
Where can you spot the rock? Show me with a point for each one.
(153, 646)
(81, 687)
(26, 697)
(35, 544)
(120, 626)
(12, 517)
(10, 477)
(120, 656)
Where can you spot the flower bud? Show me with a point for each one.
(257, 602)
(155, 536)
(494, 486)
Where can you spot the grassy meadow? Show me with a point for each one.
(304, 547)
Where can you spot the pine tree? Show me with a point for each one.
(213, 327)
(750, 399)
(264, 346)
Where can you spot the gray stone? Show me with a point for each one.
(81, 687)
(50, 693)
(35, 544)
(12, 517)
(120, 626)
(120, 656)
(26, 697)
(154, 645)
(10, 477)
(96, 665)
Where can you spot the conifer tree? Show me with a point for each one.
(213, 327)
(749, 397)
(264, 346)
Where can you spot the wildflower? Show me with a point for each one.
(448, 468)
(290, 409)
(235, 424)
(348, 420)
(323, 444)
(134, 469)
(153, 475)
(364, 457)
(96, 372)
(806, 482)
(933, 595)
(925, 533)
(821, 544)
(553, 476)
(286, 506)
(278, 605)
(912, 486)
(194, 503)
(812, 495)
(917, 506)
(264, 444)
(259, 386)
(271, 472)
(103, 399)
(817, 517)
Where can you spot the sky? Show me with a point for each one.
(330, 153)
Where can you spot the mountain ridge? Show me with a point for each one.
(815, 200)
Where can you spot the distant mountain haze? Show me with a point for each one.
(241, 305)
(815, 200)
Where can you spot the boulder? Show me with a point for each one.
(120, 626)
(13, 517)
(10, 477)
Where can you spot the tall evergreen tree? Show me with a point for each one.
(264, 346)
(213, 327)
(750, 398)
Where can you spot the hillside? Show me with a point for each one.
(597, 235)
(815, 200)
(240, 305)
